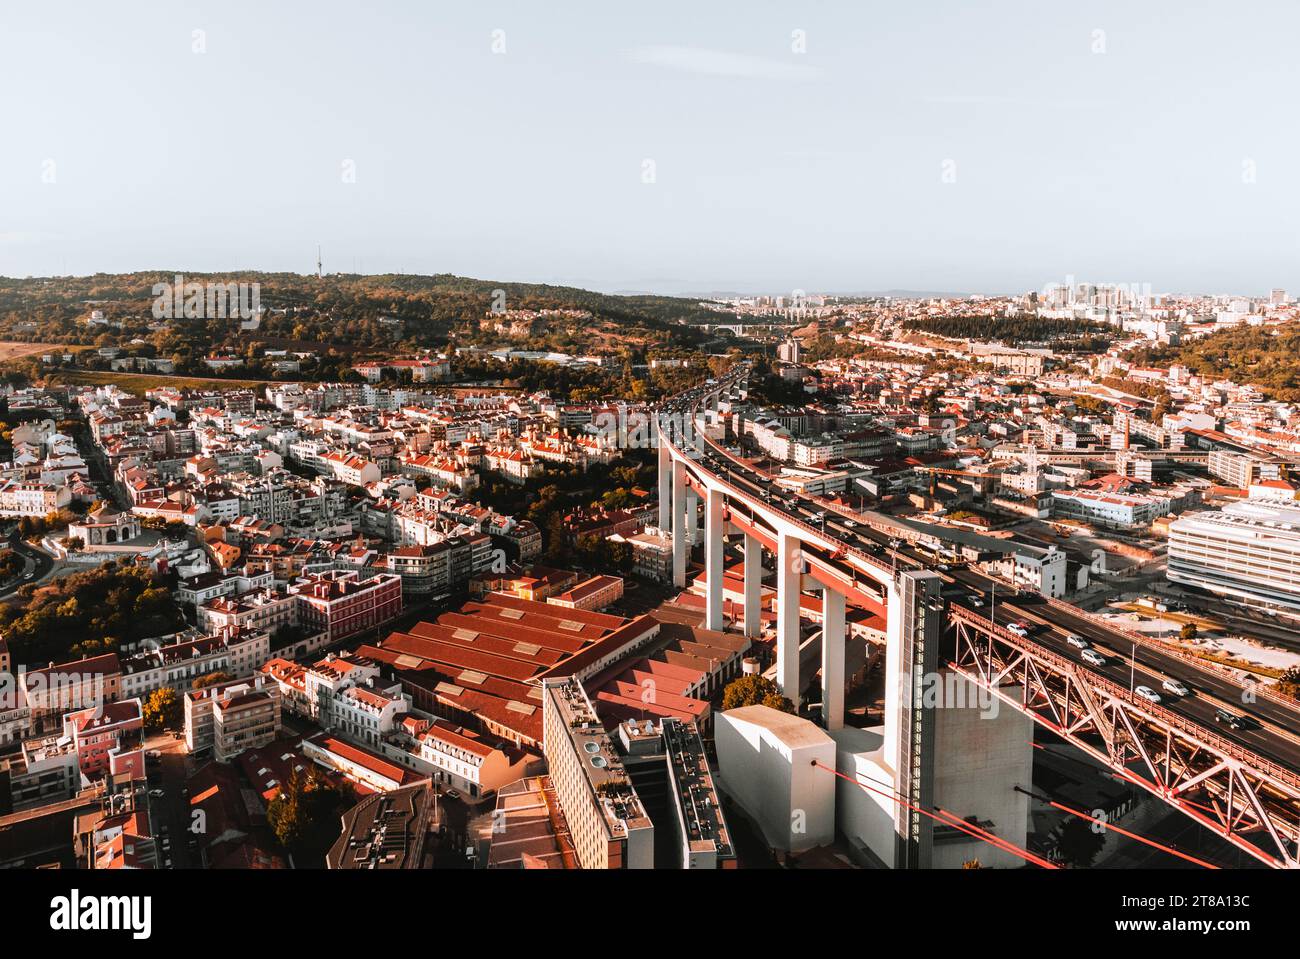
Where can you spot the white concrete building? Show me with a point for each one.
(1108, 509)
(1247, 550)
(765, 763)
(1045, 572)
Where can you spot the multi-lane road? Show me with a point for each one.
(1270, 728)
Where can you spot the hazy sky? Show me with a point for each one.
(1116, 142)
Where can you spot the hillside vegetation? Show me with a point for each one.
(351, 315)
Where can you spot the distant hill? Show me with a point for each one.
(347, 310)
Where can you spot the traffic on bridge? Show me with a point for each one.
(1224, 753)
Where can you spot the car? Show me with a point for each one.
(1175, 687)
(944, 566)
(1020, 629)
(153, 754)
(157, 793)
(1094, 657)
(1231, 720)
(452, 794)
(976, 601)
(1077, 641)
(1147, 693)
(851, 524)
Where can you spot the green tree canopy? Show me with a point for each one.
(305, 815)
(162, 709)
(755, 690)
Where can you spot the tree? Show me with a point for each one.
(1188, 632)
(11, 564)
(305, 815)
(161, 709)
(1079, 842)
(1288, 684)
(211, 679)
(755, 690)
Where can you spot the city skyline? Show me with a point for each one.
(835, 149)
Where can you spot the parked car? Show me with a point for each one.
(157, 793)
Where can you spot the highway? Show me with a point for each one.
(1272, 729)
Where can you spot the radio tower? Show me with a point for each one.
(318, 270)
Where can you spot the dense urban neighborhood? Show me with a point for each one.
(447, 590)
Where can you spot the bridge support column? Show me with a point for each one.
(679, 525)
(692, 518)
(713, 560)
(753, 585)
(832, 659)
(665, 487)
(789, 576)
(915, 628)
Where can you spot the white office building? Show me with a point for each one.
(1248, 550)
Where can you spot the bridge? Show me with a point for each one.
(1227, 755)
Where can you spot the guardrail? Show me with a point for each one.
(794, 521)
(1204, 735)
(1171, 650)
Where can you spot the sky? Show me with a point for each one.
(672, 147)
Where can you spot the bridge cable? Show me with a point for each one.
(1123, 832)
(960, 824)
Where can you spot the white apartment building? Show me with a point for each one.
(1044, 572)
(1243, 469)
(237, 652)
(1108, 509)
(314, 690)
(1247, 550)
(367, 714)
(265, 609)
(32, 499)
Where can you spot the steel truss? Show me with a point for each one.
(1248, 800)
